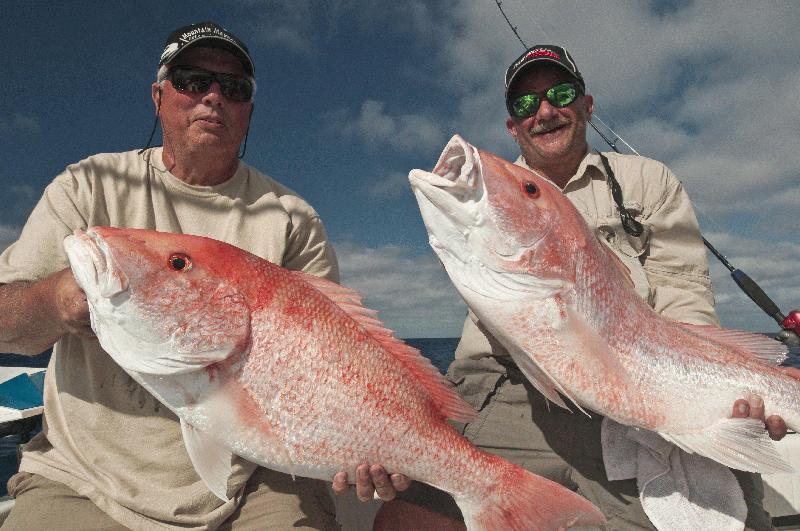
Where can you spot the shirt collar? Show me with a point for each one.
(590, 160)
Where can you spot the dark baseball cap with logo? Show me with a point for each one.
(543, 53)
(205, 34)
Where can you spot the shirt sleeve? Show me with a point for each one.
(39, 251)
(676, 264)
(309, 250)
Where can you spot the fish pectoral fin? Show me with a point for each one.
(743, 444)
(211, 460)
(540, 379)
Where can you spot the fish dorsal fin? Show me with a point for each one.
(446, 400)
(759, 346)
(624, 270)
(742, 444)
(211, 460)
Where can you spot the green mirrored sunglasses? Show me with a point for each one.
(559, 96)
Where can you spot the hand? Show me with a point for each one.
(370, 480)
(70, 305)
(754, 409)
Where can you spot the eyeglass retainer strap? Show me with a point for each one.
(631, 226)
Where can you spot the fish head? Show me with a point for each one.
(496, 227)
(160, 303)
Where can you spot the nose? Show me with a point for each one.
(213, 95)
(546, 110)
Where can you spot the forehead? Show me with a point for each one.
(215, 59)
(539, 78)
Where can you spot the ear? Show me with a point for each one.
(588, 103)
(511, 127)
(155, 94)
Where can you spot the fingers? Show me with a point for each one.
(384, 487)
(340, 485)
(741, 409)
(400, 482)
(754, 409)
(72, 308)
(776, 427)
(364, 485)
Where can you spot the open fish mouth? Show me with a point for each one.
(449, 197)
(93, 265)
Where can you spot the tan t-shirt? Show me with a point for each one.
(105, 436)
(667, 262)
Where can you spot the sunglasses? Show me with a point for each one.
(559, 96)
(198, 81)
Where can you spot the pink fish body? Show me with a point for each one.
(564, 306)
(291, 372)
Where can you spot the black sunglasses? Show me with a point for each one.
(198, 81)
(559, 96)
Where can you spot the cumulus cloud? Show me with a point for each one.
(373, 125)
(412, 293)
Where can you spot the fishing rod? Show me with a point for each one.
(790, 324)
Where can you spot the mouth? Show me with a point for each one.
(93, 265)
(547, 129)
(211, 121)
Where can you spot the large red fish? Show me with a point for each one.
(290, 371)
(563, 304)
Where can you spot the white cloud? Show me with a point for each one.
(405, 132)
(393, 185)
(412, 293)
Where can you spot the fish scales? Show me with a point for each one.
(291, 372)
(564, 306)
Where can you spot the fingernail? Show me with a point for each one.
(743, 409)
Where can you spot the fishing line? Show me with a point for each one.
(790, 324)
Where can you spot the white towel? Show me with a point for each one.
(679, 491)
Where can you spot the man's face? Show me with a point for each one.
(204, 121)
(552, 133)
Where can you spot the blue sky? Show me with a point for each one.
(354, 94)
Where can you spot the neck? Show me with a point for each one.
(200, 167)
(560, 170)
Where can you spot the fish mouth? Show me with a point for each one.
(449, 197)
(93, 266)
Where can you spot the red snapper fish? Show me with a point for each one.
(563, 305)
(291, 372)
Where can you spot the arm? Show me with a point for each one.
(34, 315)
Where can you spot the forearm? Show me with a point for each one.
(28, 318)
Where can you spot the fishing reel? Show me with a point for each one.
(790, 335)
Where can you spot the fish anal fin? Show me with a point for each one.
(444, 398)
(758, 346)
(211, 460)
(743, 444)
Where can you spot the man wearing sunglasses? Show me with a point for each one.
(111, 457)
(640, 209)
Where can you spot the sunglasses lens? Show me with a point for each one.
(190, 80)
(525, 105)
(562, 95)
(198, 81)
(236, 88)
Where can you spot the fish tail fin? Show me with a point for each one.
(519, 499)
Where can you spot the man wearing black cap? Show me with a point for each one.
(111, 456)
(639, 208)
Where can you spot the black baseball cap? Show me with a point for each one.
(209, 34)
(539, 54)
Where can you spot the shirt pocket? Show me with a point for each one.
(632, 250)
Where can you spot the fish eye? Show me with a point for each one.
(180, 262)
(531, 189)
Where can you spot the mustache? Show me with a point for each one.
(543, 127)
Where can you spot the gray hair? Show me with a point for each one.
(163, 70)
